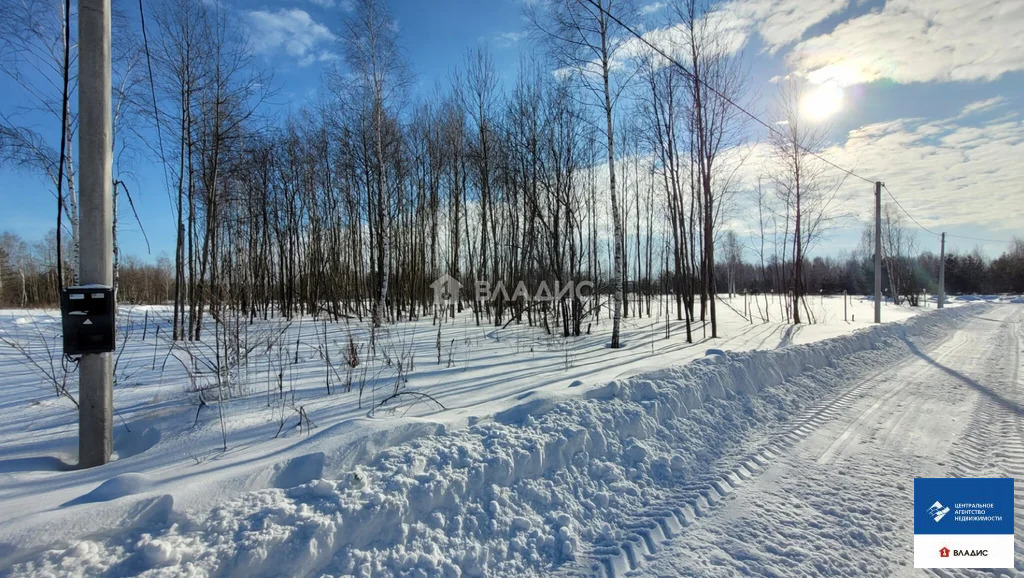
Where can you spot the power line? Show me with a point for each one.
(755, 118)
(937, 234)
(156, 110)
(703, 82)
(906, 212)
(1004, 241)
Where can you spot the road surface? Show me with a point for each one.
(834, 495)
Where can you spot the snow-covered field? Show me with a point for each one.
(533, 454)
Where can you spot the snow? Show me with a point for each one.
(837, 501)
(547, 451)
(116, 487)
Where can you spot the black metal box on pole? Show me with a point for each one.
(88, 319)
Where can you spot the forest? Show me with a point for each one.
(621, 162)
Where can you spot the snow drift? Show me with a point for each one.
(552, 484)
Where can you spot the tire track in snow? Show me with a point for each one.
(994, 442)
(683, 505)
(839, 448)
(833, 492)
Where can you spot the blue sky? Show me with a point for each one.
(931, 97)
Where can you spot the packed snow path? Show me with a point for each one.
(834, 494)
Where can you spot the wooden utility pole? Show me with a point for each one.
(878, 252)
(95, 371)
(942, 272)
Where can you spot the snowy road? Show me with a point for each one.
(835, 493)
(793, 461)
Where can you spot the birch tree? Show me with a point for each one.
(806, 193)
(660, 103)
(588, 44)
(378, 77)
(715, 81)
(899, 246)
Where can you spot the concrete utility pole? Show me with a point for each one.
(95, 371)
(942, 272)
(878, 252)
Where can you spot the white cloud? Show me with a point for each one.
(778, 22)
(982, 105)
(945, 172)
(919, 41)
(508, 39)
(905, 41)
(782, 22)
(730, 35)
(292, 31)
(670, 39)
(651, 8)
(346, 5)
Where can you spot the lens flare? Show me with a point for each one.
(822, 102)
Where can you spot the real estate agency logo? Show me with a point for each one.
(963, 523)
(937, 511)
(945, 552)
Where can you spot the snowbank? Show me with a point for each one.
(548, 485)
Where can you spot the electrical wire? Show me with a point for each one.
(1005, 241)
(906, 212)
(769, 127)
(948, 235)
(703, 82)
(156, 110)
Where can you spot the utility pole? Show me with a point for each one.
(95, 371)
(942, 272)
(878, 252)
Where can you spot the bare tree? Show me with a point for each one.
(477, 95)
(716, 80)
(661, 103)
(733, 256)
(899, 247)
(758, 241)
(183, 37)
(32, 42)
(806, 193)
(587, 43)
(379, 77)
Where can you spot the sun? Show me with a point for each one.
(823, 101)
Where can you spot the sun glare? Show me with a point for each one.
(822, 102)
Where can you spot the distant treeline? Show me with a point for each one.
(969, 273)
(28, 275)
